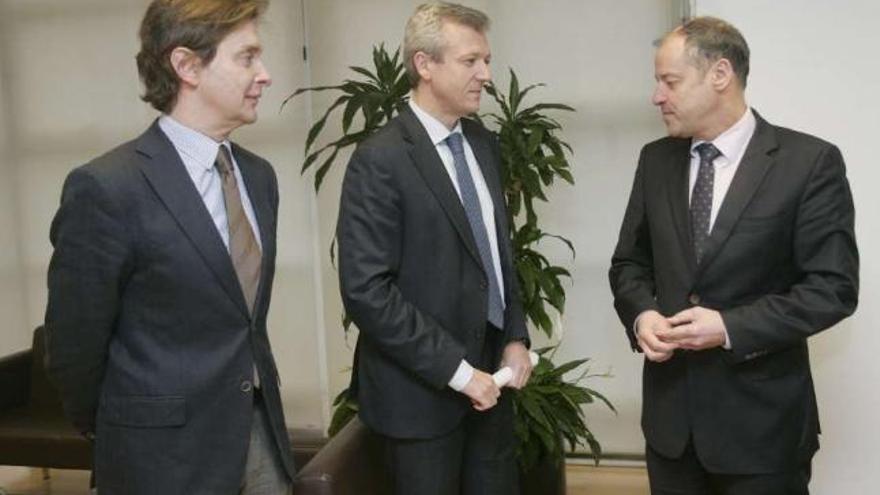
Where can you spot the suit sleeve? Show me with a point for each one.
(827, 259)
(86, 276)
(370, 241)
(632, 264)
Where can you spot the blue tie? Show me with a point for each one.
(701, 198)
(474, 212)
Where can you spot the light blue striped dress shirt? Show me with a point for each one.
(198, 153)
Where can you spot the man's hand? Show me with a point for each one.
(650, 325)
(696, 329)
(482, 391)
(516, 356)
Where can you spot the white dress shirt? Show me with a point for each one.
(732, 144)
(438, 133)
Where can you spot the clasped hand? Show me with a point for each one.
(482, 389)
(695, 329)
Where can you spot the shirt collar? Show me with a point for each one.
(199, 148)
(436, 130)
(732, 143)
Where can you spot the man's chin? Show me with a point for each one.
(674, 131)
(472, 108)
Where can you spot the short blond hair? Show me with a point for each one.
(424, 31)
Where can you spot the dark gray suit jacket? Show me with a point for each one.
(781, 264)
(149, 340)
(412, 280)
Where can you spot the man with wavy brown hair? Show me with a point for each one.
(162, 272)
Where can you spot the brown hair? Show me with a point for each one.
(710, 39)
(199, 25)
(423, 31)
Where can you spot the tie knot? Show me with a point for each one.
(708, 152)
(454, 141)
(224, 161)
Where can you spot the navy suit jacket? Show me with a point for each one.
(149, 340)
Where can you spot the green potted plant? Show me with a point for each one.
(548, 410)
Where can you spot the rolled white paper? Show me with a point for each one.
(503, 376)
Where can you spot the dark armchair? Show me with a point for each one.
(351, 463)
(33, 429)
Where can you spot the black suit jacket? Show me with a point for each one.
(412, 280)
(149, 340)
(781, 264)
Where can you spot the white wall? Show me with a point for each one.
(814, 68)
(10, 260)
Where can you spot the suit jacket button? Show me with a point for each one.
(483, 284)
(246, 386)
(694, 299)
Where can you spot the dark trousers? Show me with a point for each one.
(476, 458)
(687, 476)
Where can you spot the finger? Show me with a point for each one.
(697, 343)
(526, 376)
(656, 343)
(486, 401)
(523, 378)
(657, 357)
(650, 354)
(646, 349)
(677, 334)
(662, 357)
(690, 345)
(681, 317)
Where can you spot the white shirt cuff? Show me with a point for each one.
(462, 376)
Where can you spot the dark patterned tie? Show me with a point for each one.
(243, 247)
(701, 198)
(474, 212)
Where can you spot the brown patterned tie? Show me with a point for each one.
(243, 247)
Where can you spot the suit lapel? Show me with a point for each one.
(259, 197)
(489, 168)
(166, 173)
(427, 161)
(755, 163)
(679, 193)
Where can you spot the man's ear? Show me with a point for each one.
(722, 74)
(422, 61)
(186, 64)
